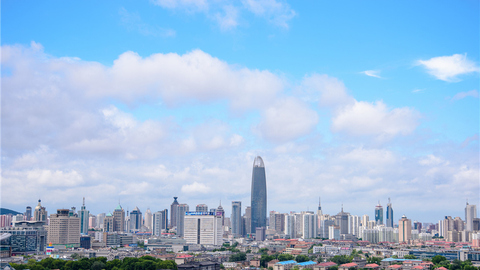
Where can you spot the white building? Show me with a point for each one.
(203, 228)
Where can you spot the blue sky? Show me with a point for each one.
(351, 101)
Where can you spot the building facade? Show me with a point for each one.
(64, 229)
(259, 195)
(203, 228)
(237, 218)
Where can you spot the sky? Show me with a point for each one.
(135, 102)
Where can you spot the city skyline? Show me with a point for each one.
(138, 102)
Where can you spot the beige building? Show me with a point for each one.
(404, 229)
(203, 229)
(64, 229)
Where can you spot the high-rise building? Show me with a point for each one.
(203, 228)
(83, 214)
(160, 222)
(247, 221)
(365, 220)
(28, 213)
(236, 218)
(220, 212)
(259, 195)
(389, 214)
(100, 220)
(173, 213)
(341, 220)
(136, 219)
(108, 223)
(470, 214)
(40, 213)
(64, 229)
(180, 209)
(404, 229)
(119, 219)
(379, 214)
(92, 221)
(148, 219)
(290, 226)
(354, 225)
(309, 228)
(201, 208)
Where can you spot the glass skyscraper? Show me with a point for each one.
(259, 195)
(379, 214)
(389, 214)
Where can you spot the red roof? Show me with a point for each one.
(349, 265)
(395, 266)
(326, 264)
(417, 267)
(442, 268)
(184, 256)
(372, 265)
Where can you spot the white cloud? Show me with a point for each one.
(277, 12)
(365, 118)
(462, 95)
(431, 160)
(372, 73)
(448, 68)
(195, 187)
(229, 19)
(326, 90)
(287, 119)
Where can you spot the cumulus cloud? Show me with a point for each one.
(462, 95)
(195, 187)
(365, 118)
(448, 68)
(372, 73)
(328, 91)
(287, 119)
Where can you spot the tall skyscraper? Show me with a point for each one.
(236, 218)
(148, 219)
(220, 212)
(259, 195)
(470, 214)
(160, 222)
(341, 220)
(203, 228)
(64, 229)
(181, 209)
(379, 214)
(290, 226)
(247, 221)
(119, 219)
(319, 210)
(100, 220)
(201, 208)
(404, 229)
(28, 213)
(136, 219)
(173, 213)
(40, 213)
(83, 214)
(389, 214)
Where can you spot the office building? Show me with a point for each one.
(247, 221)
(201, 208)
(64, 229)
(341, 220)
(100, 220)
(136, 220)
(83, 214)
(173, 213)
(202, 228)
(309, 226)
(378, 214)
(27, 237)
(160, 222)
(389, 214)
(259, 195)
(404, 230)
(290, 226)
(470, 214)
(40, 213)
(180, 211)
(119, 219)
(220, 212)
(148, 220)
(236, 218)
(28, 213)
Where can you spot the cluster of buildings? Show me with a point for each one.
(179, 228)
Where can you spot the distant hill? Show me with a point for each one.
(5, 211)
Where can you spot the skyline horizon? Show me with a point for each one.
(139, 101)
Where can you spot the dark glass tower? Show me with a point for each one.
(379, 214)
(389, 214)
(259, 195)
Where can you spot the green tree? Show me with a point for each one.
(410, 257)
(263, 250)
(285, 257)
(341, 259)
(374, 259)
(237, 257)
(437, 259)
(335, 267)
(302, 258)
(98, 265)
